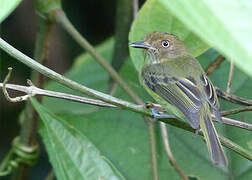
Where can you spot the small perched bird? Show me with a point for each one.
(174, 75)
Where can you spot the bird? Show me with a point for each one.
(171, 74)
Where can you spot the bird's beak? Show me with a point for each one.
(142, 44)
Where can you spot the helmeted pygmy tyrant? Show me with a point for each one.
(173, 74)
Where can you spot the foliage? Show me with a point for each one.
(87, 142)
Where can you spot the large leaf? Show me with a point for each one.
(154, 16)
(72, 155)
(6, 7)
(223, 24)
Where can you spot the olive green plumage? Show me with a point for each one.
(174, 75)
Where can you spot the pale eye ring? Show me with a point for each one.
(165, 43)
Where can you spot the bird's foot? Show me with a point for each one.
(158, 111)
(197, 131)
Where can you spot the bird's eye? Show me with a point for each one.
(165, 43)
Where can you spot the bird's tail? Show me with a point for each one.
(211, 137)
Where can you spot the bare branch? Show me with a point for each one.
(230, 77)
(169, 152)
(37, 91)
(237, 110)
(233, 98)
(135, 8)
(6, 94)
(217, 62)
(235, 123)
(33, 90)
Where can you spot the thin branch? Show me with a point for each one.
(32, 90)
(37, 91)
(6, 94)
(169, 152)
(230, 76)
(233, 98)
(235, 147)
(62, 19)
(237, 110)
(69, 83)
(224, 141)
(217, 62)
(135, 8)
(235, 123)
(153, 148)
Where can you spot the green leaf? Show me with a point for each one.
(6, 7)
(154, 16)
(225, 25)
(72, 155)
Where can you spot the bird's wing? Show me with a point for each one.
(211, 96)
(181, 93)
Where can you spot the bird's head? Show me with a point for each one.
(160, 45)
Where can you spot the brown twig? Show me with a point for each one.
(217, 62)
(235, 123)
(169, 152)
(233, 98)
(237, 110)
(153, 148)
(135, 8)
(230, 77)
